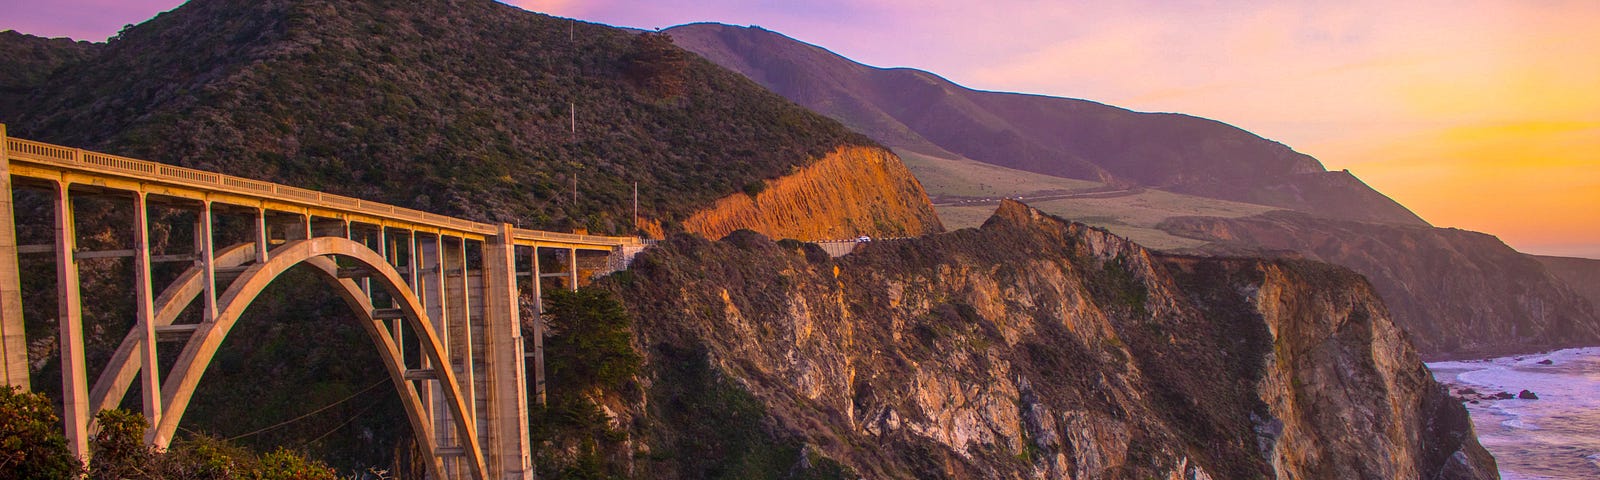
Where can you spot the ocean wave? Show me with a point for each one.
(1556, 436)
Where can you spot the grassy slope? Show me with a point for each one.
(1133, 215)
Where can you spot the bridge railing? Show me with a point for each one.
(45, 153)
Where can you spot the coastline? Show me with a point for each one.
(1553, 432)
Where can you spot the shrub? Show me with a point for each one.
(31, 443)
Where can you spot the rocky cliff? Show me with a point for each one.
(849, 192)
(1459, 293)
(1582, 274)
(1028, 348)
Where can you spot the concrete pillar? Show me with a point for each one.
(206, 256)
(572, 256)
(74, 375)
(538, 329)
(13, 340)
(144, 306)
(458, 293)
(262, 245)
(432, 294)
(507, 449)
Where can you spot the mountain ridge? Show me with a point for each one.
(362, 99)
(1074, 138)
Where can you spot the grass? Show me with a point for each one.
(1134, 215)
(963, 177)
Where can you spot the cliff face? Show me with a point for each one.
(1582, 274)
(1459, 293)
(1029, 348)
(850, 192)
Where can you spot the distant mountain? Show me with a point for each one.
(456, 107)
(919, 111)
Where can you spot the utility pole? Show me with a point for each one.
(572, 108)
(635, 205)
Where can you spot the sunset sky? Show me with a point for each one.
(1478, 115)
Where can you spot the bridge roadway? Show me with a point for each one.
(461, 371)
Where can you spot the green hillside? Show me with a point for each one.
(457, 107)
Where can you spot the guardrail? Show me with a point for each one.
(48, 154)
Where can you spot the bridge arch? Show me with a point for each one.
(320, 253)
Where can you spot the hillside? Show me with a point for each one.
(457, 107)
(1460, 294)
(1028, 348)
(916, 111)
(1583, 274)
(30, 60)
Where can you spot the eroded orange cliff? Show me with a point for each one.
(850, 192)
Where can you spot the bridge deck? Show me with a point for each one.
(77, 166)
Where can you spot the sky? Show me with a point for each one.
(1477, 115)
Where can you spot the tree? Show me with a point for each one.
(592, 341)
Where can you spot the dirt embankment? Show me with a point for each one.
(852, 191)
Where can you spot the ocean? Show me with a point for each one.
(1554, 437)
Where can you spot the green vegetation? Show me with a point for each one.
(657, 66)
(31, 442)
(592, 342)
(463, 109)
(589, 356)
(712, 428)
(1116, 289)
(33, 447)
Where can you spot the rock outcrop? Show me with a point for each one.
(850, 192)
(1459, 293)
(1028, 348)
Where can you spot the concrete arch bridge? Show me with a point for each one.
(438, 296)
